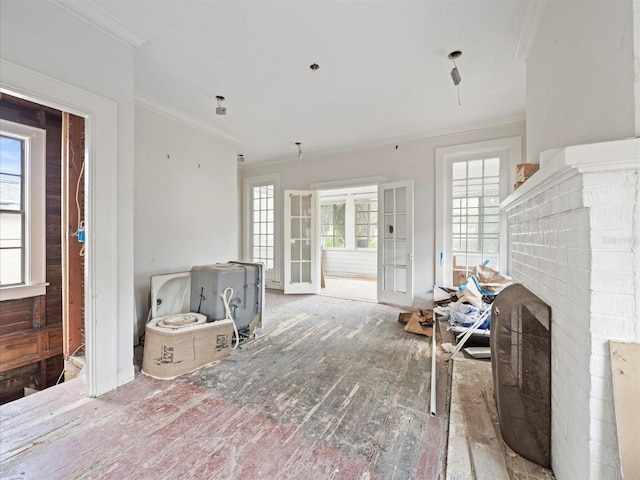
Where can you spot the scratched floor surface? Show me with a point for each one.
(332, 389)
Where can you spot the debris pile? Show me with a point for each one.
(469, 307)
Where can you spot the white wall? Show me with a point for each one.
(47, 40)
(580, 75)
(415, 159)
(186, 203)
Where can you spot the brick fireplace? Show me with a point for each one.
(574, 241)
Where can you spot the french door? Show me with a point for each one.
(395, 243)
(301, 245)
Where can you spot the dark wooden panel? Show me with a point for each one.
(21, 321)
(12, 382)
(30, 346)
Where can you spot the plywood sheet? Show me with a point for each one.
(625, 372)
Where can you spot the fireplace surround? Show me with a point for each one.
(574, 242)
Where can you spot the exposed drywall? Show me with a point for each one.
(47, 40)
(412, 160)
(580, 76)
(186, 205)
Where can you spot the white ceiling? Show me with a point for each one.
(384, 73)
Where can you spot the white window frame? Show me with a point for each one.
(369, 200)
(273, 278)
(34, 208)
(510, 152)
(336, 201)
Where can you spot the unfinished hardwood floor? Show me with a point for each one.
(333, 389)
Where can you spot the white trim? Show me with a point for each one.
(510, 147)
(247, 184)
(636, 60)
(35, 141)
(92, 14)
(392, 141)
(106, 333)
(349, 183)
(557, 165)
(23, 291)
(177, 115)
(530, 28)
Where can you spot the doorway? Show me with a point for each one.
(42, 321)
(349, 242)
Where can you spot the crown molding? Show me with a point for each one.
(530, 27)
(96, 16)
(386, 142)
(165, 110)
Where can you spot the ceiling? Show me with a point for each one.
(384, 74)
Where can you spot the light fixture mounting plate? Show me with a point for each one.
(455, 54)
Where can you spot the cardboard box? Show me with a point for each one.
(169, 353)
(525, 170)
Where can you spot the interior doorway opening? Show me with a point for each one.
(349, 242)
(41, 332)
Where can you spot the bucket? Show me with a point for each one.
(175, 346)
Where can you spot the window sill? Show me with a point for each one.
(23, 291)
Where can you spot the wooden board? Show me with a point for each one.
(625, 373)
(475, 450)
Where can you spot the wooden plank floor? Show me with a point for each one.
(475, 448)
(332, 389)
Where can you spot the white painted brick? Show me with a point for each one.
(615, 178)
(618, 262)
(579, 257)
(579, 220)
(613, 239)
(617, 305)
(620, 196)
(600, 471)
(562, 254)
(604, 217)
(615, 328)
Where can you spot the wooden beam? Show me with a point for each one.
(72, 215)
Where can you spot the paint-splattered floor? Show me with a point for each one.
(331, 389)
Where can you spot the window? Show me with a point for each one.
(263, 224)
(12, 210)
(475, 215)
(366, 223)
(472, 181)
(332, 225)
(22, 210)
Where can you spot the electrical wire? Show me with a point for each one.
(77, 197)
(226, 299)
(74, 352)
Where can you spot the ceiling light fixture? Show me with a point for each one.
(299, 145)
(455, 75)
(220, 110)
(240, 158)
(314, 66)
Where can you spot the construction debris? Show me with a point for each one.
(420, 322)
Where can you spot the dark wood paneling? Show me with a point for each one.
(22, 321)
(13, 382)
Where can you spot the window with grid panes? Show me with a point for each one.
(332, 217)
(263, 225)
(12, 211)
(475, 216)
(366, 223)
